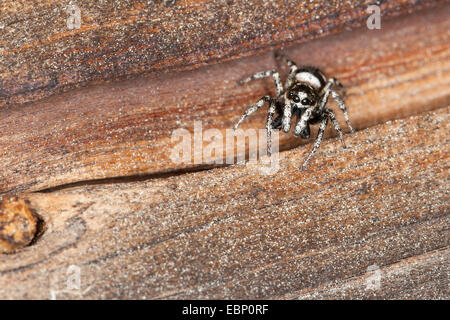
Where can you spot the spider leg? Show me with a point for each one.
(336, 82)
(302, 127)
(285, 59)
(336, 125)
(252, 109)
(276, 124)
(265, 74)
(342, 106)
(317, 143)
(286, 120)
(339, 100)
(293, 68)
(324, 99)
(269, 128)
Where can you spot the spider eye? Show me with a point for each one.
(295, 98)
(306, 102)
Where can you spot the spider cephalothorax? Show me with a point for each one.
(305, 95)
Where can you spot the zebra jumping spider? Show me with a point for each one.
(305, 95)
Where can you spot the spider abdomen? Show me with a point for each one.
(311, 76)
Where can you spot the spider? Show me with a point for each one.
(305, 95)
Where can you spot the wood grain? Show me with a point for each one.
(422, 277)
(124, 128)
(234, 233)
(41, 56)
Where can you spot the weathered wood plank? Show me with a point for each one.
(40, 55)
(124, 128)
(234, 233)
(423, 277)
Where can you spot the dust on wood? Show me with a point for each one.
(234, 233)
(124, 128)
(41, 56)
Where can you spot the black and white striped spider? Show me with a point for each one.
(304, 95)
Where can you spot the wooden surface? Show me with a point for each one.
(234, 233)
(86, 118)
(41, 56)
(124, 128)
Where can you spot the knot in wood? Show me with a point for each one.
(18, 224)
